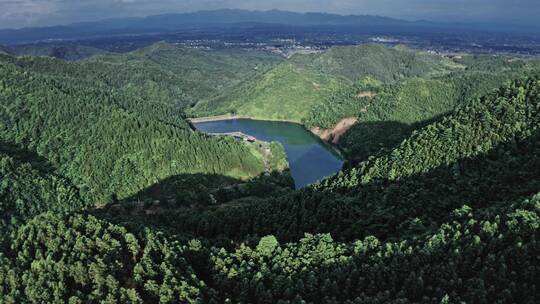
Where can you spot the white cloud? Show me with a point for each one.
(25, 12)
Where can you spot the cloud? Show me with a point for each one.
(25, 12)
(18, 13)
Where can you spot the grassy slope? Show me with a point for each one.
(292, 89)
(285, 92)
(377, 61)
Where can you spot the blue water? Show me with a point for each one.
(310, 160)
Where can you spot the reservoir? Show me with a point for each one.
(310, 160)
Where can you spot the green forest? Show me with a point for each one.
(109, 195)
(391, 91)
(110, 140)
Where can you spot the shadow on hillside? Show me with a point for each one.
(367, 139)
(372, 139)
(182, 189)
(23, 155)
(405, 208)
(192, 193)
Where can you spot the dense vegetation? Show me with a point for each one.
(449, 212)
(398, 109)
(377, 61)
(474, 257)
(286, 92)
(28, 189)
(68, 51)
(291, 89)
(389, 91)
(195, 75)
(81, 259)
(489, 143)
(110, 142)
(162, 73)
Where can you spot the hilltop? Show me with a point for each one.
(197, 74)
(291, 89)
(66, 52)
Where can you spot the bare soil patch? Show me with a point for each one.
(337, 132)
(369, 94)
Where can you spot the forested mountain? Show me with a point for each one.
(106, 134)
(452, 214)
(199, 75)
(398, 109)
(107, 195)
(28, 189)
(162, 72)
(381, 94)
(290, 90)
(170, 23)
(488, 143)
(377, 61)
(437, 220)
(65, 52)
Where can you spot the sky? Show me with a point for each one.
(25, 13)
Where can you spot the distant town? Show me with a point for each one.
(290, 46)
(290, 41)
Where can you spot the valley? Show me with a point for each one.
(206, 171)
(309, 159)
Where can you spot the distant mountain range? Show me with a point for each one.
(232, 18)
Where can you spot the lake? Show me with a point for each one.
(310, 160)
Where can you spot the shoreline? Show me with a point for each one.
(196, 120)
(332, 146)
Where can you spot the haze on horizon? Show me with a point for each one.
(26, 13)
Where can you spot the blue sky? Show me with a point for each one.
(21, 13)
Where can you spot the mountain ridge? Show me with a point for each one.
(164, 23)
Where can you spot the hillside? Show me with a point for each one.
(286, 92)
(292, 89)
(449, 215)
(196, 75)
(505, 118)
(366, 99)
(161, 73)
(488, 143)
(28, 188)
(65, 52)
(398, 109)
(376, 61)
(108, 139)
